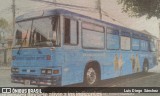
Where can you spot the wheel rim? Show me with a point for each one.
(91, 76)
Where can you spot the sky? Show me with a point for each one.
(111, 7)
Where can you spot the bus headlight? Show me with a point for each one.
(43, 71)
(46, 71)
(49, 71)
(14, 70)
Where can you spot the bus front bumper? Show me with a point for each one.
(36, 80)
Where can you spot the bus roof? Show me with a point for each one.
(50, 12)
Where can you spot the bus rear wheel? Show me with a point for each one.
(91, 76)
(145, 65)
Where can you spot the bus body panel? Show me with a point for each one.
(31, 61)
(71, 60)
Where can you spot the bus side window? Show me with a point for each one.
(135, 42)
(70, 32)
(144, 43)
(152, 45)
(92, 36)
(113, 39)
(125, 41)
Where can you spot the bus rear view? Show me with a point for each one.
(34, 51)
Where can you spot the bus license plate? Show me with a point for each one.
(27, 82)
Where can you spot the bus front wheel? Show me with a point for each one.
(91, 76)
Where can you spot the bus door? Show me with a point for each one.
(125, 54)
(71, 51)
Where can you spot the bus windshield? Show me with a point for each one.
(40, 32)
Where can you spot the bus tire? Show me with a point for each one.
(91, 75)
(145, 65)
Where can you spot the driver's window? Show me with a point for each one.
(41, 30)
(70, 32)
(22, 33)
(152, 45)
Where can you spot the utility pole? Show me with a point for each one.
(14, 15)
(159, 31)
(100, 9)
(54, 1)
(159, 41)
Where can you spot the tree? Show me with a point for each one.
(4, 27)
(139, 8)
(3, 23)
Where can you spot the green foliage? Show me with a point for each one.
(3, 23)
(4, 27)
(138, 8)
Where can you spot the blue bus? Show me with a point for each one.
(59, 47)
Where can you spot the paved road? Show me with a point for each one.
(5, 79)
(134, 80)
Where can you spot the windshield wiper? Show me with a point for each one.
(18, 52)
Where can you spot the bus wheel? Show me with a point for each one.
(145, 65)
(91, 76)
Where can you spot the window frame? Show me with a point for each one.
(112, 34)
(145, 38)
(77, 25)
(121, 35)
(154, 41)
(21, 46)
(147, 46)
(58, 27)
(138, 38)
(94, 25)
(84, 47)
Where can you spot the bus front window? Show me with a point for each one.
(40, 32)
(22, 34)
(43, 34)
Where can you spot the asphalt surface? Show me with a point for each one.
(149, 79)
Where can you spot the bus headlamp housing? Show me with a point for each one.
(43, 71)
(49, 71)
(46, 71)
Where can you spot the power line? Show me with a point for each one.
(93, 11)
(111, 17)
(82, 8)
(61, 6)
(5, 9)
(55, 3)
(74, 7)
